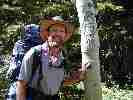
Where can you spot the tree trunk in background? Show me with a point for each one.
(89, 48)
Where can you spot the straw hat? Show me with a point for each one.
(46, 24)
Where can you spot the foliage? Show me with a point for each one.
(116, 42)
(19, 12)
(114, 19)
(74, 92)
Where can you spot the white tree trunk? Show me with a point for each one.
(89, 48)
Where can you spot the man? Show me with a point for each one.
(56, 32)
(29, 39)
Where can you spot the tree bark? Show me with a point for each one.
(89, 48)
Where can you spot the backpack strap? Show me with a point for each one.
(37, 65)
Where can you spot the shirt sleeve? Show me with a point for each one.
(26, 67)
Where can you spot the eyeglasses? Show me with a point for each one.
(56, 30)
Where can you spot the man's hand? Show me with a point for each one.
(76, 75)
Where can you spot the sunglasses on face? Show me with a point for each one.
(55, 30)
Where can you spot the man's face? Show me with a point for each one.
(57, 35)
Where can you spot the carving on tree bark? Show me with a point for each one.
(89, 48)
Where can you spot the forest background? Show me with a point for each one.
(114, 26)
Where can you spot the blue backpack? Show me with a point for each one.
(31, 38)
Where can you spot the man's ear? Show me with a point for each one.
(44, 34)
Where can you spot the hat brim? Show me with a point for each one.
(45, 24)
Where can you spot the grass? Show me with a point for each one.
(113, 93)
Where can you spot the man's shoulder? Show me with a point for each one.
(38, 47)
(32, 51)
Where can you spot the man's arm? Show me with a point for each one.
(24, 75)
(21, 90)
